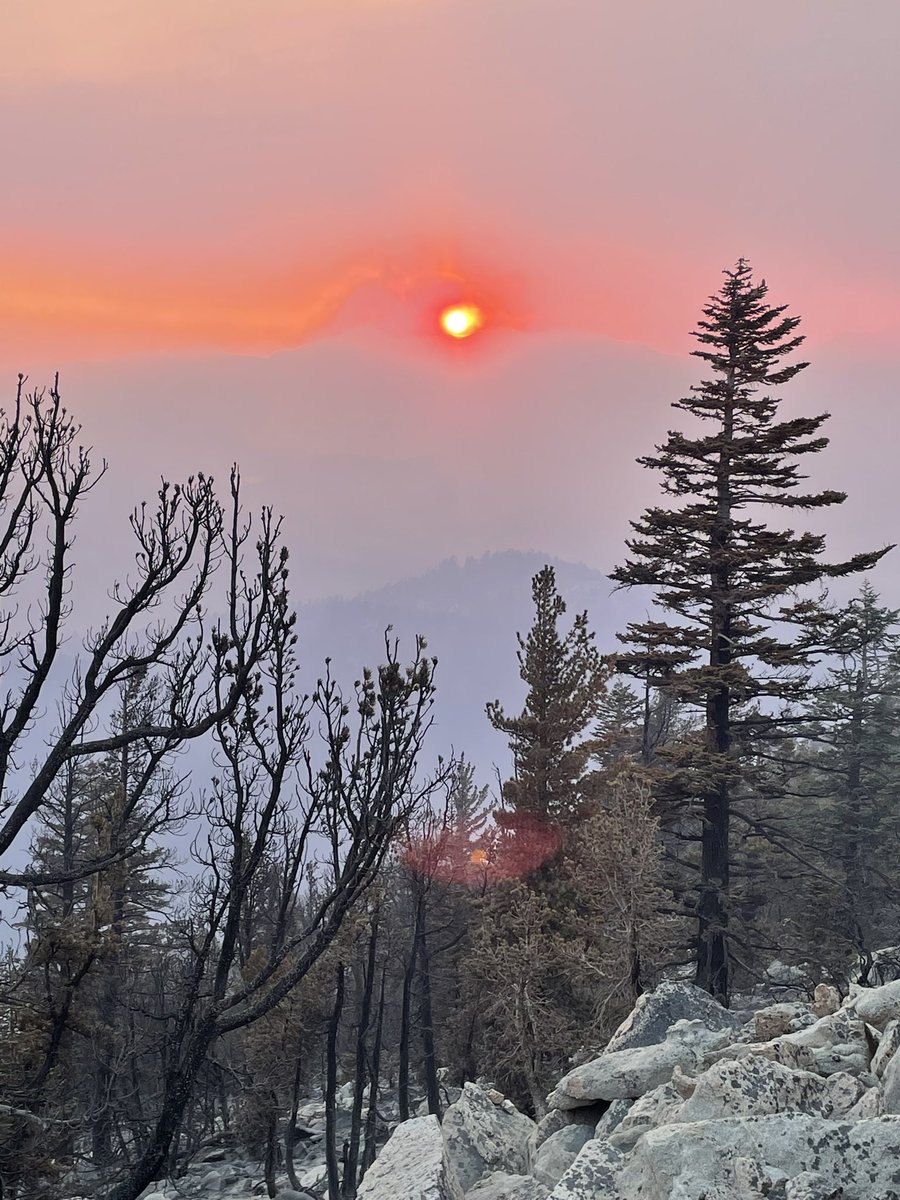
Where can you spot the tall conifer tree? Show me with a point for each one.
(726, 578)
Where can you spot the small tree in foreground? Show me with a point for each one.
(726, 580)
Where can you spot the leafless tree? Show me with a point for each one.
(157, 628)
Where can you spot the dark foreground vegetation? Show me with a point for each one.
(328, 907)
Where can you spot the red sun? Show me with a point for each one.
(461, 320)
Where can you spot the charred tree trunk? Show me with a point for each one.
(712, 932)
(369, 1145)
(432, 1090)
(359, 1084)
(331, 1157)
(290, 1133)
(406, 1015)
(271, 1152)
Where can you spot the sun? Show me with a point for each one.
(461, 320)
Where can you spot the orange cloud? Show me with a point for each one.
(86, 305)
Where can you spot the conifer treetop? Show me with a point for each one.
(712, 549)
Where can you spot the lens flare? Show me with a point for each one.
(461, 320)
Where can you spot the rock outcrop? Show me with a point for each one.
(795, 1101)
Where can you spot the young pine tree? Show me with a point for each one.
(565, 677)
(725, 579)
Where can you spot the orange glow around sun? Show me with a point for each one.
(461, 320)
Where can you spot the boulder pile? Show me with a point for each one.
(688, 1101)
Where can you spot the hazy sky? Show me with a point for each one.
(230, 225)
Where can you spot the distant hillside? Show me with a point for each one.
(469, 612)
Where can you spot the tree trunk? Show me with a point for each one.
(432, 1089)
(290, 1133)
(406, 1017)
(369, 1145)
(712, 932)
(271, 1152)
(331, 1158)
(360, 1079)
(853, 821)
(177, 1093)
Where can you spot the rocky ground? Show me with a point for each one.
(794, 1101)
(688, 1101)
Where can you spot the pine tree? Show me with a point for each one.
(857, 729)
(727, 579)
(548, 739)
(92, 933)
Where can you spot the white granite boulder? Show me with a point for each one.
(690, 1159)
(656, 1012)
(482, 1137)
(890, 1084)
(558, 1153)
(887, 1048)
(593, 1174)
(412, 1166)
(626, 1074)
(658, 1107)
(878, 1005)
(810, 1185)
(754, 1086)
(501, 1186)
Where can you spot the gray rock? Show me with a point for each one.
(592, 1176)
(877, 1005)
(890, 1083)
(788, 1054)
(778, 1019)
(654, 1108)
(500, 1186)
(694, 1157)
(626, 1074)
(313, 1177)
(214, 1154)
(217, 1180)
(612, 1118)
(753, 1086)
(826, 999)
(869, 1105)
(887, 1048)
(555, 1120)
(559, 1118)
(747, 1180)
(481, 1137)
(832, 1044)
(412, 1166)
(655, 1012)
(810, 1185)
(558, 1153)
(838, 1041)
(844, 1091)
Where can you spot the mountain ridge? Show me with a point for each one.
(469, 612)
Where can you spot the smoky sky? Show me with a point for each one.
(227, 225)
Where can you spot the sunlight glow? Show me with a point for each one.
(461, 320)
